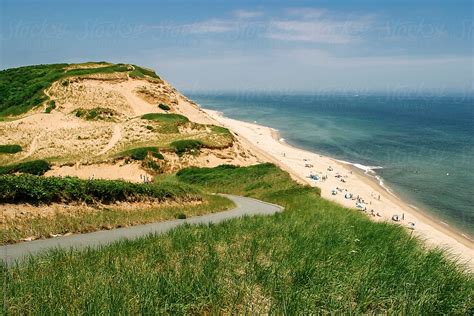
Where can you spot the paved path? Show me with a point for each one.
(244, 206)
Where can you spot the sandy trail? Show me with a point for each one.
(116, 137)
(33, 147)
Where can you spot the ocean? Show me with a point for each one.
(420, 147)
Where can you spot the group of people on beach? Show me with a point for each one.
(360, 203)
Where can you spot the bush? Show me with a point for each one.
(51, 106)
(164, 107)
(161, 117)
(34, 189)
(186, 146)
(35, 167)
(180, 216)
(10, 149)
(97, 113)
(141, 153)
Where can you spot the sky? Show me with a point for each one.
(255, 45)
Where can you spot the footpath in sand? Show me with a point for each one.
(348, 186)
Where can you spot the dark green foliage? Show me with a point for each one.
(161, 117)
(95, 114)
(10, 149)
(164, 107)
(186, 146)
(141, 153)
(36, 167)
(181, 216)
(51, 106)
(34, 189)
(22, 88)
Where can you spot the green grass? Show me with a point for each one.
(35, 167)
(315, 257)
(141, 153)
(23, 88)
(164, 107)
(184, 146)
(10, 149)
(34, 189)
(162, 117)
(140, 72)
(81, 219)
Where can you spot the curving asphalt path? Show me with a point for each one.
(244, 206)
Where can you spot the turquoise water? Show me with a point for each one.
(425, 145)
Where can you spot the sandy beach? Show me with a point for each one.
(348, 185)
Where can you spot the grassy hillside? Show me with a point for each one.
(314, 257)
(22, 88)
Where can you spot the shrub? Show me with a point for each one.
(97, 113)
(35, 167)
(51, 106)
(141, 153)
(10, 149)
(186, 146)
(164, 107)
(34, 189)
(180, 216)
(161, 117)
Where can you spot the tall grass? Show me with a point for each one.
(80, 219)
(315, 257)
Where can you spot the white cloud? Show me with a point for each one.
(211, 26)
(317, 27)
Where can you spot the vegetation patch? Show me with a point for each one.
(315, 256)
(51, 106)
(141, 153)
(140, 72)
(35, 189)
(96, 114)
(186, 146)
(10, 149)
(162, 117)
(35, 167)
(23, 88)
(164, 107)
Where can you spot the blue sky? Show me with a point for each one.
(255, 45)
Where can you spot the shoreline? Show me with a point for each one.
(299, 163)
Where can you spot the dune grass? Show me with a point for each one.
(10, 149)
(315, 257)
(183, 146)
(162, 117)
